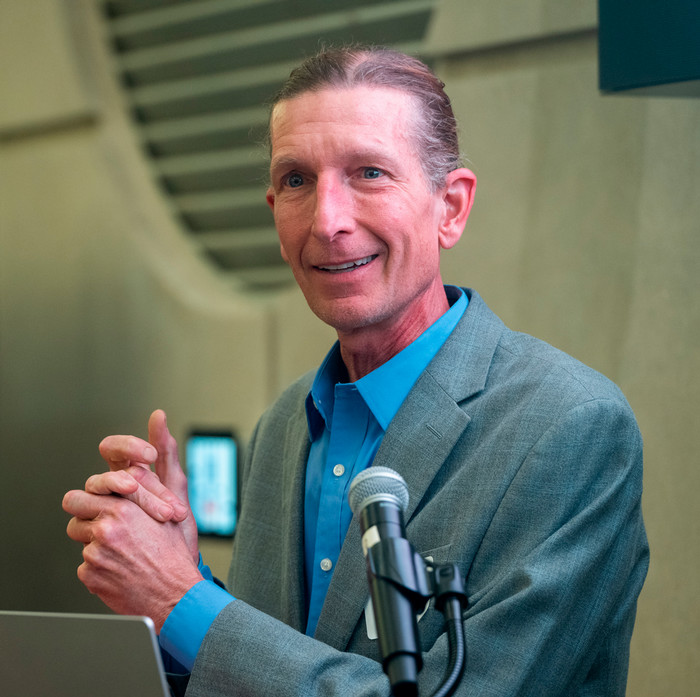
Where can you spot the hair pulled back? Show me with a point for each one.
(435, 128)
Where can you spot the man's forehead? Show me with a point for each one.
(370, 103)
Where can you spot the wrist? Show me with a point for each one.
(178, 590)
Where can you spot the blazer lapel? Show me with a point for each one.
(419, 439)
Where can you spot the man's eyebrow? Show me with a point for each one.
(285, 161)
(369, 156)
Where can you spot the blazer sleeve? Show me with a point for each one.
(555, 583)
(552, 586)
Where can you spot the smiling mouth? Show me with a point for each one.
(348, 266)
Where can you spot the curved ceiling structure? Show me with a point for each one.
(197, 75)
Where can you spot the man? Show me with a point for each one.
(523, 466)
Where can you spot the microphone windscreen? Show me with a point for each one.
(378, 484)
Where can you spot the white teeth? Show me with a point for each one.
(348, 265)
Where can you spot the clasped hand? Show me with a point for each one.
(140, 550)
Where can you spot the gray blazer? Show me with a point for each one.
(524, 468)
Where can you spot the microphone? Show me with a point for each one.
(397, 577)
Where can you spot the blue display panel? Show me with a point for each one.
(212, 459)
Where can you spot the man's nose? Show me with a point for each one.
(333, 208)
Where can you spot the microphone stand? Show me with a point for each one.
(451, 601)
(418, 582)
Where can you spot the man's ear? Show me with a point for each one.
(270, 198)
(458, 197)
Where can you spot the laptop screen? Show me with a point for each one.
(79, 655)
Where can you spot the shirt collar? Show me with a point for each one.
(386, 387)
(321, 398)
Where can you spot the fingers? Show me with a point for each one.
(79, 530)
(162, 495)
(85, 506)
(119, 482)
(152, 495)
(95, 515)
(121, 452)
(142, 487)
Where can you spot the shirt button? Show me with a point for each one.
(339, 470)
(326, 564)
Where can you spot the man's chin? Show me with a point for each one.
(346, 315)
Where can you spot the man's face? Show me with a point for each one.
(357, 221)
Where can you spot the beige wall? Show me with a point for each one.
(585, 232)
(105, 311)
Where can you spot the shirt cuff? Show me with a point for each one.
(184, 630)
(205, 570)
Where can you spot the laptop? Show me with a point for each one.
(46, 654)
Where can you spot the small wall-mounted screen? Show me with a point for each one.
(212, 464)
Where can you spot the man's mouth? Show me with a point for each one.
(347, 266)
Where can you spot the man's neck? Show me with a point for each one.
(365, 349)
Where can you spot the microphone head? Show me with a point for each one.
(378, 484)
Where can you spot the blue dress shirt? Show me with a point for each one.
(347, 422)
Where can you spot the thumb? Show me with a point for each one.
(167, 463)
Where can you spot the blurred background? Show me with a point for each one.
(139, 266)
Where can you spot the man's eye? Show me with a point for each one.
(372, 173)
(295, 180)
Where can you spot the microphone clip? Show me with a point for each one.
(392, 562)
